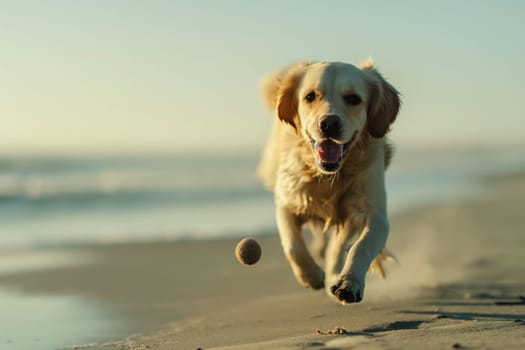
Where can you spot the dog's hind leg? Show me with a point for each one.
(305, 269)
(320, 238)
(337, 247)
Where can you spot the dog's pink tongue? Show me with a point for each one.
(329, 151)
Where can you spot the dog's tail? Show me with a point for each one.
(377, 264)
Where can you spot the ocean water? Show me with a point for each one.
(30, 322)
(49, 200)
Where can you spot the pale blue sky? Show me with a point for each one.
(92, 76)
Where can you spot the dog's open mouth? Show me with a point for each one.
(330, 153)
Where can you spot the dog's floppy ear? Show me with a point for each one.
(383, 104)
(279, 90)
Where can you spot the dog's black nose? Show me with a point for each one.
(331, 126)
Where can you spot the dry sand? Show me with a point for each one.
(458, 284)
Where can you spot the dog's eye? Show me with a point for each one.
(310, 97)
(352, 99)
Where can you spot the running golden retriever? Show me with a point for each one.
(325, 162)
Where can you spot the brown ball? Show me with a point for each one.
(248, 251)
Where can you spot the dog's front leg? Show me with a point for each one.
(349, 286)
(307, 272)
(336, 252)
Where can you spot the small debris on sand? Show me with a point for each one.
(335, 331)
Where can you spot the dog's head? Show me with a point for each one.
(331, 104)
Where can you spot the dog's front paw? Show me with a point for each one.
(348, 290)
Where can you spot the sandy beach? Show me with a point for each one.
(458, 283)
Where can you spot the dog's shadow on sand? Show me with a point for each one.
(395, 326)
(469, 316)
(470, 296)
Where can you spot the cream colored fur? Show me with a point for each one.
(351, 201)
